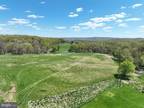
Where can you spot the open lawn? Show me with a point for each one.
(37, 76)
(123, 97)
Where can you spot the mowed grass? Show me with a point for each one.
(124, 97)
(37, 76)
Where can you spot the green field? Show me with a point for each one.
(37, 76)
(124, 97)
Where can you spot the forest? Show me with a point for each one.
(16, 44)
(120, 49)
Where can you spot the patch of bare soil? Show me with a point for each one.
(9, 96)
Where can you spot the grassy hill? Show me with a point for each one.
(124, 97)
(37, 76)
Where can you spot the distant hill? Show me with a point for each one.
(88, 38)
(97, 38)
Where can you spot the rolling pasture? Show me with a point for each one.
(37, 76)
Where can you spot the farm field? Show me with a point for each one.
(37, 76)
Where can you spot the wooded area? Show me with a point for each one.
(15, 44)
(131, 49)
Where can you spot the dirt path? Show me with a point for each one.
(10, 95)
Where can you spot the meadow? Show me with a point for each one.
(123, 97)
(37, 76)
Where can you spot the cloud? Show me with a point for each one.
(133, 19)
(3, 7)
(123, 25)
(109, 18)
(35, 16)
(79, 9)
(76, 13)
(17, 21)
(92, 25)
(61, 27)
(101, 22)
(42, 2)
(28, 11)
(141, 28)
(23, 22)
(136, 5)
(33, 26)
(123, 7)
(119, 21)
(76, 28)
(72, 15)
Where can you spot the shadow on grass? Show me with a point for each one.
(122, 77)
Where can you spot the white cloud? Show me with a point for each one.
(136, 5)
(3, 7)
(142, 26)
(42, 2)
(17, 21)
(76, 28)
(100, 22)
(33, 26)
(92, 25)
(35, 16)
(109, 18)
(61, 27)
(23, 22)
(119, 21)
(75, 14)
(123, 25)
(79, 9)
(123, 7)
(133, 19)
(120, 15)
(28, 11)
(72, 15)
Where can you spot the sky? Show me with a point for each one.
(73, 18)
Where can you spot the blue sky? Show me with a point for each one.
(73, 18)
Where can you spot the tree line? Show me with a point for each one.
(22, 44)
(120, 49)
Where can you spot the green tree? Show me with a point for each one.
(126, 67)
(142, 61)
